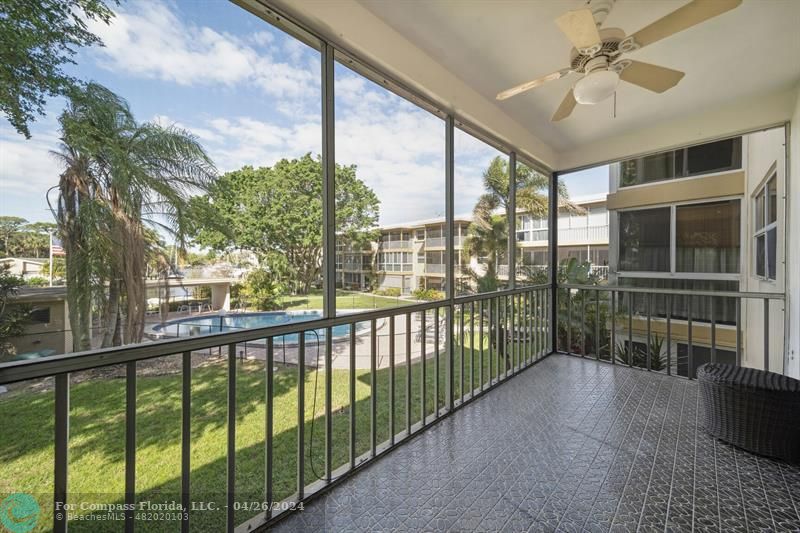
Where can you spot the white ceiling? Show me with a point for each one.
(493, 45)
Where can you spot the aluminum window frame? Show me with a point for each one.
(763, 231)
(673, 273)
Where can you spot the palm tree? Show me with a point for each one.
(120, 178)
(487, 239)
(532, 189)
(486, 236)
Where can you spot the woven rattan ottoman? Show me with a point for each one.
(753, 409)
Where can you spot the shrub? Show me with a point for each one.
(390, 291)
(36, 281)
(261, 290)
(428, 294)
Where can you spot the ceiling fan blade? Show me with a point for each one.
(651, 77)
(566, 107)
(580, 28)
(532, 84)
(691, 14)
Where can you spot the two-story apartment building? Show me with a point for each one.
(407, 256)
(703, 217)
(412, 255)
(582, 234)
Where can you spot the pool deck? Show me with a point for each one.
(314, 353)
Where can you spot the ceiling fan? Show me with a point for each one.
(596, 53)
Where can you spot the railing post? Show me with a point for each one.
(436, 360)
(669, 334)
(738, 331)
(186, 437)
(270, 393)
(766, 334)
(597, 324)
(408, 374)
(569, 321)
(373, 393)
(60, 454)
(391, 381)
(352, 371)
(690, 359)
(648, 303)
(480, 336)
(612, 343)
(423, 362)
(472, 347)
(301, 408)
(713, 332)
(130, 443)
(328, 403)
(231, 470)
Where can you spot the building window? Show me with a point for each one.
(718, 156)
(421, 257)
(644, 240)
(706, 241)
(766, 229)
(39, 315)
(708, 237)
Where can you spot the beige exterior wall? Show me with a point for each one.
(765, 155)
(55, 335)
(679, 190)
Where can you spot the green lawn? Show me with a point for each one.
(344, 300)
(97, 433)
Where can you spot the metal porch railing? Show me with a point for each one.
(666, 330)
(470, 344)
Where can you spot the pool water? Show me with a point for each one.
(204, 325)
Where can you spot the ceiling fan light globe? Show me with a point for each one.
(596, 86)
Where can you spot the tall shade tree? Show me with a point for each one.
(9, 227)
(37, 38)
(120, 179)
(276, 213)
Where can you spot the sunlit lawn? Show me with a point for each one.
(97, 434)
(344, 300)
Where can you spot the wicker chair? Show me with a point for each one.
(753, 409)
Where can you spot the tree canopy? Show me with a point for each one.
(276, 213)
(37, 38)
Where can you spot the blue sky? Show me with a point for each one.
(251, 94)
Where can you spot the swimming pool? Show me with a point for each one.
(204, 325)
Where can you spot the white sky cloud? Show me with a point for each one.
(397, 147)
(149, 39)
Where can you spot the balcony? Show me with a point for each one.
(567, 236)
(441, 242)
(582, 438)
(397, 245)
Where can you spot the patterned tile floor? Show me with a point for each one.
(568, 445)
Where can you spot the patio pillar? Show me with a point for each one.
(221, 296)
